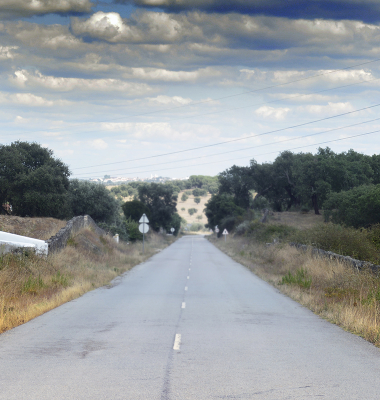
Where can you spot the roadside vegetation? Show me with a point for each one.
(325, 200)
(31, 285)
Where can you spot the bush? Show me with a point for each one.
(183, 209)
(358, 207)
(267, 233)
(199, 192)
(196, 227)
(339, 239)
(133, 230)
(192, 211)
(197, 200)
(184, 197)
(200, 217)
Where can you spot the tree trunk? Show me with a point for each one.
(314, 200)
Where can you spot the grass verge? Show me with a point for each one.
(31, 285)
(329, 288)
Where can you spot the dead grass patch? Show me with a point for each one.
(337, 292)
(31, 285)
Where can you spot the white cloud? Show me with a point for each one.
(38, 7)
(172, 76)
(330, 108)
(24, 78)
(98, 144)
(270, 112)
(6, 52)
(169, 100)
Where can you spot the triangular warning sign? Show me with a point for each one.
(225, 232)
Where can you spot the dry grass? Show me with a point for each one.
(37, 228)
(190, 203)
(31, 285)
(333, 290)
(296, 219)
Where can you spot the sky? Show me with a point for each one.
(184, 87)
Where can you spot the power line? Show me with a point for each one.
(234, 151)
(235, 140)
(294, 148)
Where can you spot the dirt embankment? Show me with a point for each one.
(37, 228)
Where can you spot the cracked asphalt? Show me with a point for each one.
(190, 323)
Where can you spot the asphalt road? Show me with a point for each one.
(190, 323)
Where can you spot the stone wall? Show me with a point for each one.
(59, 241)
(333, 256)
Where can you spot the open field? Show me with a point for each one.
(296, 219)
(32, 285)
(331, 289)
(190, 203)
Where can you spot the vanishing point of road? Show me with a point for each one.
(190, 323)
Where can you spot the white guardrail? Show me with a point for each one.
(10, 241)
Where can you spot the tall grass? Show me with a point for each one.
(31, 285)
(330, 288)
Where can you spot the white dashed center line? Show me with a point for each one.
(183, 305)
(188, 277)
(177, 341)
(186, 288)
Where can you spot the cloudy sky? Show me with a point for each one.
(182, 87)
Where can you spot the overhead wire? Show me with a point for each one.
(234, 151)
(234, 140)
(273, 152)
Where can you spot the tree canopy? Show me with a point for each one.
(161, 202)
(32, 180)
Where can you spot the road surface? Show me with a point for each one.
(190, 323)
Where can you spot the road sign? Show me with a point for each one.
(172, 230)
(144, 228)
(225, 232)
(144, 219)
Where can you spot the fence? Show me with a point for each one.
(358, 264)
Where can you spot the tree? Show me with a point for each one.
(135, 209)
(197, 200)
(161, 201)
(33, 181)
(237, 181)
(93, 199)
(184, 197)
(219, 207)
(358, 207)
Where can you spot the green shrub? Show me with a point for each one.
(196, 227)
(358, 207)
(197, 200)
(133, 230)
(199, 192)
(301, 278)
(200, 217)
(357, 243)
(184, 197)
(267, 233)
(192, 211)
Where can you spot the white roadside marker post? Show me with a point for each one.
(225, 233)
(144, 227)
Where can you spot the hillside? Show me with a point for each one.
(37, 228)
(190, 203)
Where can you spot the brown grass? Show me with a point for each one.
(32, 285)
(338, 292)
(37, 228)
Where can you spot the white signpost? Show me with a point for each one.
(225, 233)
(144, 227)
(172, 230)
(216, 229)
